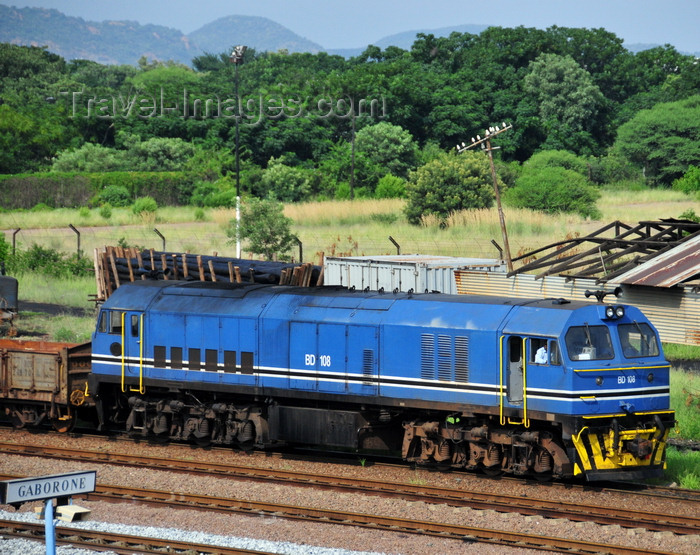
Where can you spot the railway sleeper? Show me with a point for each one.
(492, 449)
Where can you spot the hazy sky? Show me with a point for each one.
(356, 23)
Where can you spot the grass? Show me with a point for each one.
(38, 326)
(74, 292)
(685, 400)
(361, 226)
(682, 468)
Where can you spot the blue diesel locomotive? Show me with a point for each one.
(540, 387)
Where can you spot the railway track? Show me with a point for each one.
(676, 524)
(465, 534)
(118, 543)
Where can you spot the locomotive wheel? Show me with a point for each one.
(160, 438)
(64, 424)
(17, 422)
(203, 441)
(492, 471)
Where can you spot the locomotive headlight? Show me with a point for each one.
(599, 380)
(650, 377)
(619, 311)
(609, 312)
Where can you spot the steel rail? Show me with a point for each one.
(468, 534)
(123, 544)
(430, 494)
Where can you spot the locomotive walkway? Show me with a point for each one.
(458, 498)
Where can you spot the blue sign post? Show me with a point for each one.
(47, 488)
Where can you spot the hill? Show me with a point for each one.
(107, 42)
(257, 32)
(125, 42)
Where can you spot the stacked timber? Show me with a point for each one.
(117, 265)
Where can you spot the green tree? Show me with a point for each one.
(156, 154)
(567, 98)
(286, 183)
(387, 146)
(664, 141)
(554, 189)
(448, 184)
(265, 227)
(89, 158)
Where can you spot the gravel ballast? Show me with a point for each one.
(301, 537)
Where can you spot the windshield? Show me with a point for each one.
(589, 343)
(637, 340)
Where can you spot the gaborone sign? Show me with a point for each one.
(22, 490)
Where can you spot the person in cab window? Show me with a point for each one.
(541, 355)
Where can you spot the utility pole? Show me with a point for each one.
(237, 58)
(485, 144)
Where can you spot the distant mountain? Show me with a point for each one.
(108, 42)
(406, 39)
(258, 32)
(124, 42)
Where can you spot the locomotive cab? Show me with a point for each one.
(622, 380)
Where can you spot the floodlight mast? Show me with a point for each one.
(237, 58)
(485, 143)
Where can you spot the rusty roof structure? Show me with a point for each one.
(662, 253)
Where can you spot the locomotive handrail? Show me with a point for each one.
(140, 389)
(525, 420)
(123, 321)
(502, 419)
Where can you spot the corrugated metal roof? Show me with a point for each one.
(675, 312)
(678, 264)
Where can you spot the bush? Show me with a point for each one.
(556, 159)
(265, 227)
(144, 205)
(38, 259)
(106, 211)
(448, 184)
(690, 182)
(553, 190)
(72, 190)
(115, 195)
(84, 212)
(390, 186)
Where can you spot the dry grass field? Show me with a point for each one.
(337, 227)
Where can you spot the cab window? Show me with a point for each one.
(111, 322)
(637, 340)
(539, 351)
(589, 343)
(544, 351)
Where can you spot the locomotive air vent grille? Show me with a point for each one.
(445, 358)
(367, 366)
(427, 356)
(462, 359)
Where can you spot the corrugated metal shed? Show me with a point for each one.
(674, 311)
(611, 251)
(675, 266)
